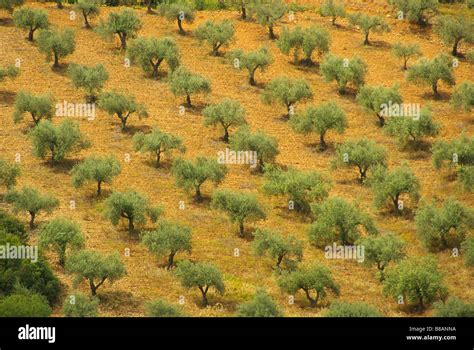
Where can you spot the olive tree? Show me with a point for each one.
(32, 201)
(40, 107)
(261, 305)
(430, 72)
(31, 19)
(367, 24)
(9, 173)
(89, 9)
(89, 78)
(383, 250)
(125, 24)
(56, 44)
(307, 40)
(338, 221)
(202, 276)
(240, 207)
(228, 113)
(406, 51)
(362, 154)
(96, 169)
(389, 186)
(269, 13)
(121, 105)
(179, 12)
(333, 9)
(288, 92)
(95, 268)
(343, 71)
(59, 235)
(416, 11)
(79, 305)
(301, 187)
(150, 53)
(286, 250)
(168, 239)
(355, 309)
(376, 99)
(320, 119)
(190, 175)
(185, 83)
(215, 34)
(158, 143)
(131, 206)
(463, 96)
(9, 5)
(452, 30)
(416, 280)
(251, 61)
(313, 279)
(443, 227)
(8, 72)
(57, 140)
(264, 146)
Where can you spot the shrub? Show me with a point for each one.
(89, 9)
(39, 107)
(125, 24)
(31, 19)
(157, 142)
(343, 71)
(333, 9)
(215, 34)
(253, 60)
(96, 169)
(466, 177)
(160, 308)
(89, 78)
(406, 52)
(262, 305)
(376, 99)
(185, 83)
(24, 305)
(8, 72)
(8, 173)
(11, 225)
(78, 305)
(56, 44)
(357, 309)
(453, 307)
(121, 105)
(467, 249)
(269, 14)
(227, 113)
(463, 96)
(368, 23)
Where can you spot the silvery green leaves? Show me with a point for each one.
(368, 23)
(8, 72)
(215, 34)
(9, 173)
(89, 78)
(56, 44)
(158, 143)
(40, 107)
(31, 19)
(183, 82)
(124, 24)
(89, 9)
(251, 61)
(344, 71)
(121, 105)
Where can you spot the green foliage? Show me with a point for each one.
(453, 307)
(215, 34)
(301, 187)
(362, 153)
(24, 305)
(201, 275)
(31, 19)
(56, 44)
(89, 9)
(157, 142)
(463, 96)
(266, 146)
(125, 24)
(338, 221)
(253, 60)
(470, 56)
(131, 206)
(95, 268)
(96, 169)
(180, 12)
(466, 177)
(261, 305)
(356, 309)
(227, 113)
(40, 107)
(430, 72)
(89, 78)
(8, 5)
(343, 71)
(467, 249)
(185, 83)
(416, 11)
(9, 224)
(121, 105)
(79, 305)
(190, 175)
(368, 23)
(452, 30)
(286, 250)
(150, 53)
(59, 140)
(269, 13)
(287, 91)
(240, 207)
(376, 99)
(305, 40)
(314, 279)
(320, 119)
(59, 235)
(443, 227)
(333, 9)
(160, 308)
(416, 280)
(168, 239)
(8, 72)
(390, 186)
(8, 174)
(32, 201)
(383, 250)
(406, 51)
(410, 130)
